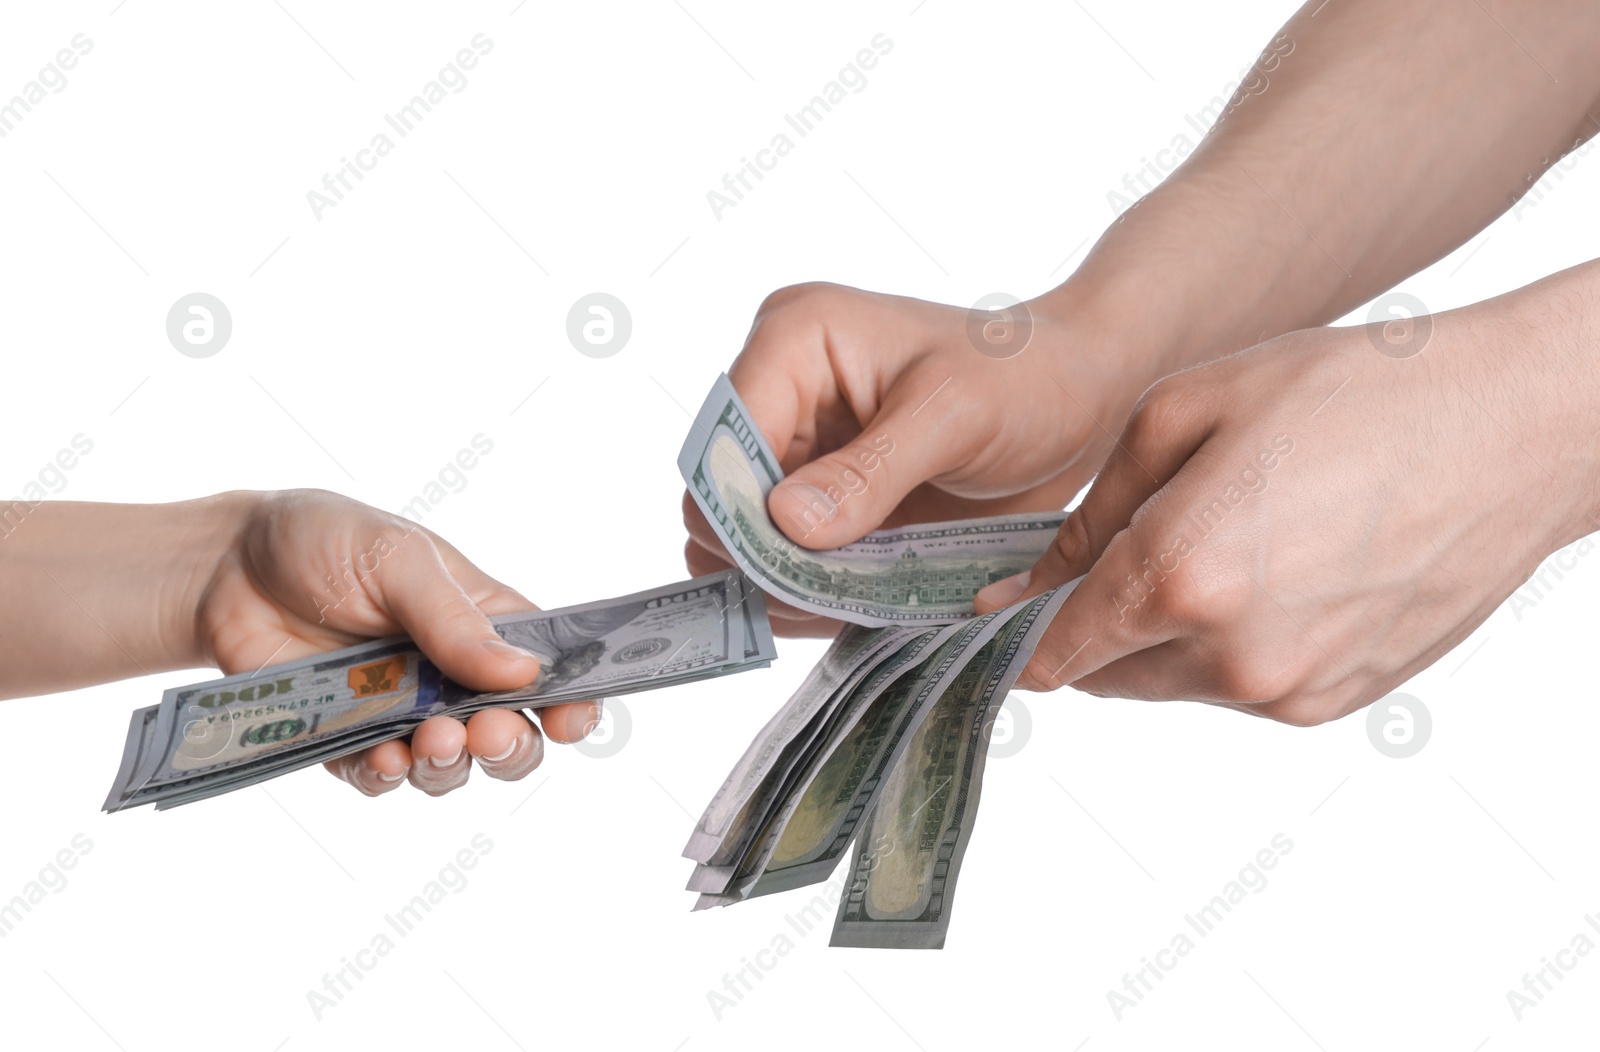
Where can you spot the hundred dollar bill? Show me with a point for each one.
(916, 575)
(141, 732)
(242, 728)
(823, 732)
(909, 854)
(824, 812)
(886, 690)
(924, 686)
(724, 827)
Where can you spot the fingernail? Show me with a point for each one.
(1005, 592)
(364, 771)
(516, 743)
(441, 764)
(597, 712)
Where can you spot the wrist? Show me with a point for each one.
(1200, 268)
(205, 534)
(1104, 328)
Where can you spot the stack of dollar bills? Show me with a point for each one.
(884, 742)
(212, 738)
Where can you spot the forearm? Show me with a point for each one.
(1532, 371)
(97, 592)
(1385, 138)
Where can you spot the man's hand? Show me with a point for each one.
(1298, 528)
(312, 571)
(883, 410)
(1258, 233)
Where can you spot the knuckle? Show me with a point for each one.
(1253, 680)
(1159, 412)
(1192, 595)
(1074, 540)
(805, 293)
(1044, 675)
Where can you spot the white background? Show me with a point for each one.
(371, 345)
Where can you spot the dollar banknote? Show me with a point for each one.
(914, 575)
(212, 737)
(723, 828)
(915, 692)
(818, 823)
(891, 685)
(750, 843)
(909, 852)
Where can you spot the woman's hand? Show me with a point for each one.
(295, 582)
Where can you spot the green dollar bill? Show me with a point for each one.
(916, 575)
(241, 728)
(909, 853)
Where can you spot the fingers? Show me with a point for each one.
(1093, 627)
(452, 629)
(566, 724)
(374, 771)
(440, 761)
(832, 368)
(913, 435)
(505, 743)
(1166, 429)
(1130, 538)
(1180, 571)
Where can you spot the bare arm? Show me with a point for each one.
(1372, 139)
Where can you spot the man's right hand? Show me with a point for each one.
(883, 410)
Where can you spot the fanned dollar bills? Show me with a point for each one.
(884, 742)
(212, 738)
(908, 854)
(915, 575)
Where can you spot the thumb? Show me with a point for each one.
(1159, 439)
(419, 591)
(844, 495)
